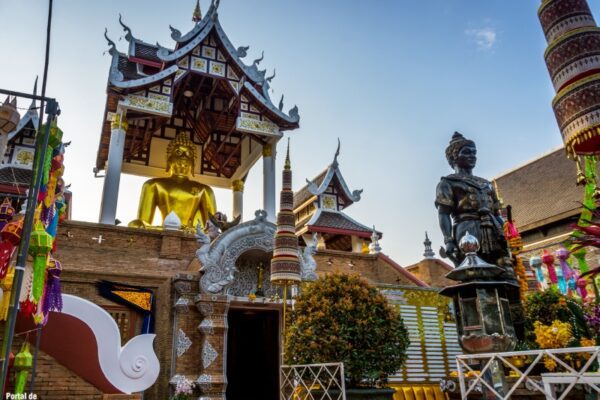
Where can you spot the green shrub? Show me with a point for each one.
(341, 318)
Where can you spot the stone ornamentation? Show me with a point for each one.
(218, 258)
(309, 265)
(183, 343)
(204, 382)
(206, 327)
(209, 354)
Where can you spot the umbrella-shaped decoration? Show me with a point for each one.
(22, 365)
(548, 260)
(40, 246)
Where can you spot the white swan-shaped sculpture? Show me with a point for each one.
(131, 368)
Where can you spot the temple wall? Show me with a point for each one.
(369, 266)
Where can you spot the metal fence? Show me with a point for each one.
(572, 367)
(313, 382)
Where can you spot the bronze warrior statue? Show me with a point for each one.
(468, 203)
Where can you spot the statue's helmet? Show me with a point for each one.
(457, 142)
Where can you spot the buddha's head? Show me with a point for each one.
(181, 156)
(461, 152)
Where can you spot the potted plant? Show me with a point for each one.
(341, 318)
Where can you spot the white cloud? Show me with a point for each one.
(485, 38)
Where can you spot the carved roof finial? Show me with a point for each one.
(428, 251)
(258, 60)
(337, 153)
(128, 34)
(269, 79)
(113, 46)
(288, 164)
(197, 15)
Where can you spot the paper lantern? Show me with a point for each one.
(7, 211)
(22, 365)
(40, 246)
(548, 260)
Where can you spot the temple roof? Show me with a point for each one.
(542, 191)
(330, 176)
(302, 195)
(337, 222)
(202, 86)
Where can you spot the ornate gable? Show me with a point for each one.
(201, 87)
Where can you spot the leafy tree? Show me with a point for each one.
(342, 318)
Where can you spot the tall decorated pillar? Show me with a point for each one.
(574, 66)
(110, 192)
(285, 265)
(237, 187)
(269, 153)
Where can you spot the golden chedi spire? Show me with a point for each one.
(285, 265)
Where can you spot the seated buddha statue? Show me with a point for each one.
(190, 200)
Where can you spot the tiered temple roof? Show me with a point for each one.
(202, 86)
(17, 163)
(319, 205)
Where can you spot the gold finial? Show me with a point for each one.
(197, 16)
(288, 165)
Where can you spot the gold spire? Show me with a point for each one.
(197, 16)
(287, 165)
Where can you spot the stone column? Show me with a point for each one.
(237, 187)
(269, 153)
(213, 378)
(110, 192)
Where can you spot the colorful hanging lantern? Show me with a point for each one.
(535, 262)
(7, 211)
(40, 246)
(56, 134)
(562, 254)
(6, 285)
(572, 60)
(22, 366)
(582, 288)
(52, 295)
(581, 262)
(548, 260)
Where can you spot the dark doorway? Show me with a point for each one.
(253, 355)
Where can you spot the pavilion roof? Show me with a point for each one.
(160, 87)
(337, 223)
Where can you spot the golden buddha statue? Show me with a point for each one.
(190, 200)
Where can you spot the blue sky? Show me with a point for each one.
(392, 79)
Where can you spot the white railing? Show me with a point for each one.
(566, 375)
(313, 382)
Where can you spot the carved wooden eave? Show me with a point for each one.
(202, 86)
